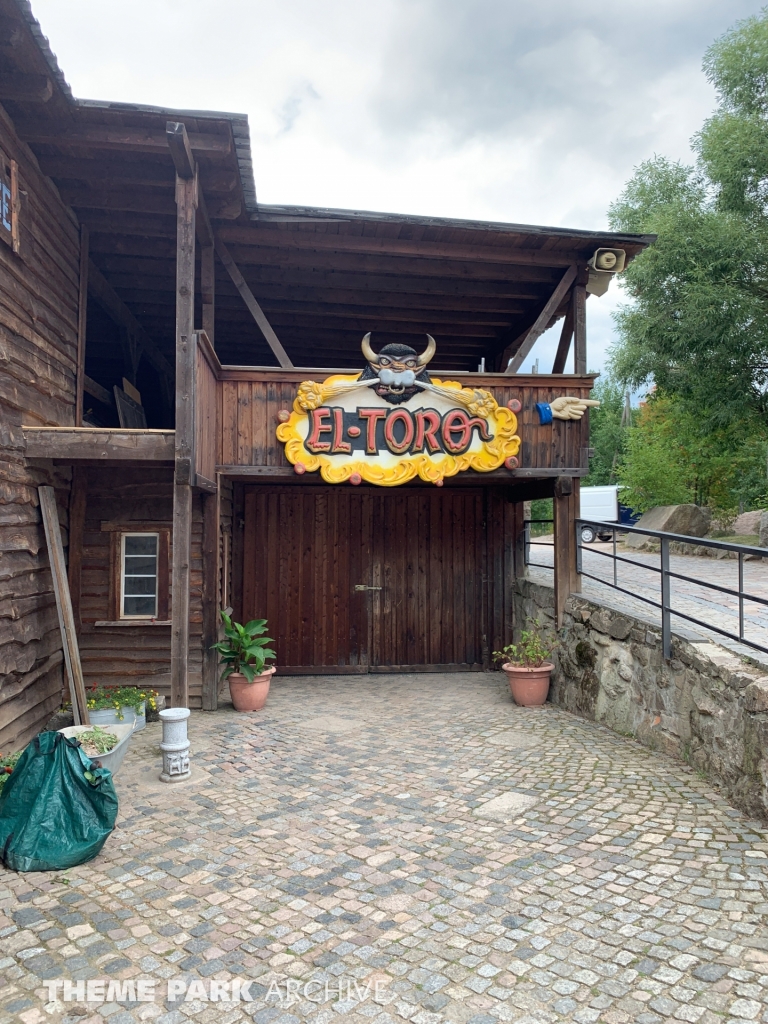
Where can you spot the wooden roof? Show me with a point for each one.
(323, 277)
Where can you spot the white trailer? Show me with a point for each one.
(602, 504)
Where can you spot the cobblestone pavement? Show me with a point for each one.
(482, 862)
(704, 604)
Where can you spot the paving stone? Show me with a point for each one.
(347, 855)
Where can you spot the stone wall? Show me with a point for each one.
(705, 705)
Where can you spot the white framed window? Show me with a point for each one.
(139, 575)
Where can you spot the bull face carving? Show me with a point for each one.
(399, 369)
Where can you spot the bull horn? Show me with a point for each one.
(368, 352)
(428, 352)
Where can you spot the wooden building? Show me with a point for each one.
(156, 323)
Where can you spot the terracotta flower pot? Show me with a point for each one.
(250, 696)
(529, 686)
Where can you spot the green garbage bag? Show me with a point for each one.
(52, 816)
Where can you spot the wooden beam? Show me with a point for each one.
(211, 604)
(561, 356)
(25, 88)
(542, 320)
(106, 296)
(186, 205)
(139, 139)
(202, 223)
(564, 504)
(95, 390)
(130, 200)
(256, 235)
(255, 309)
(580, 329)
(98, 444)
(50, 514)
(110, 168)
(82, 311)
(208, 289)
(181, 151)
(78, 493)
(404, 265)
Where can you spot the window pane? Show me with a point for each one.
(140, 565)
(143, 544)
(140, 574)
(139, 606)
(135, 585)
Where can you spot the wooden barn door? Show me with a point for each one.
(376, 580)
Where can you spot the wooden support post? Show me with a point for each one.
(574, 515)
(208, 289)
(184, 468)
(210, 689)
(564, 345)
(82, 312)
(50, 515)
(579, 328)
(77, 500)
(565, 544)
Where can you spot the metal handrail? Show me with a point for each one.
(667, 575)
(527, 532)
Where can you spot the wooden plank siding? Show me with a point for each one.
(39, 293)
(136, 498)
(250, 400)
(206, 409)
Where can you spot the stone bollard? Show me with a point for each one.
(175, 745)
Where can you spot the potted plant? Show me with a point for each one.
(244, 652)
(526, 666)
(115, 705)
(136, 699)
(107, 746)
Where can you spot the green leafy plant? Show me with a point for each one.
(97, 740)
(7, 764)
(531, 652)
(243, 649)
(133, 697)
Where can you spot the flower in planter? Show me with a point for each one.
(244, 649)
(534, 648)
(7, 764)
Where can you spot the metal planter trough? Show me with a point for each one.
(114, 758)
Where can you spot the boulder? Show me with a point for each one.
(763, 531)
(688, 520)
(746, 524)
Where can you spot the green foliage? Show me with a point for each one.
(606, 433)
(541, 509)
(671, 458)
(654, 468)
(244, 648)
(698, 323)
(101, 698)
(533, 650)
(7, 764)
(101, 740)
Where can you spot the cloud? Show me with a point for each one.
(489, 109)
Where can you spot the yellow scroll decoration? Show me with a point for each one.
(502, 424)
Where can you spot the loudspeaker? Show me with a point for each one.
(609, 261)
(603, 265)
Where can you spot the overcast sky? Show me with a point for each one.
(512, 110)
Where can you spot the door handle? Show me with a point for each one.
(362, 586)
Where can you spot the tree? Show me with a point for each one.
(698, 323)
(607, 433)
